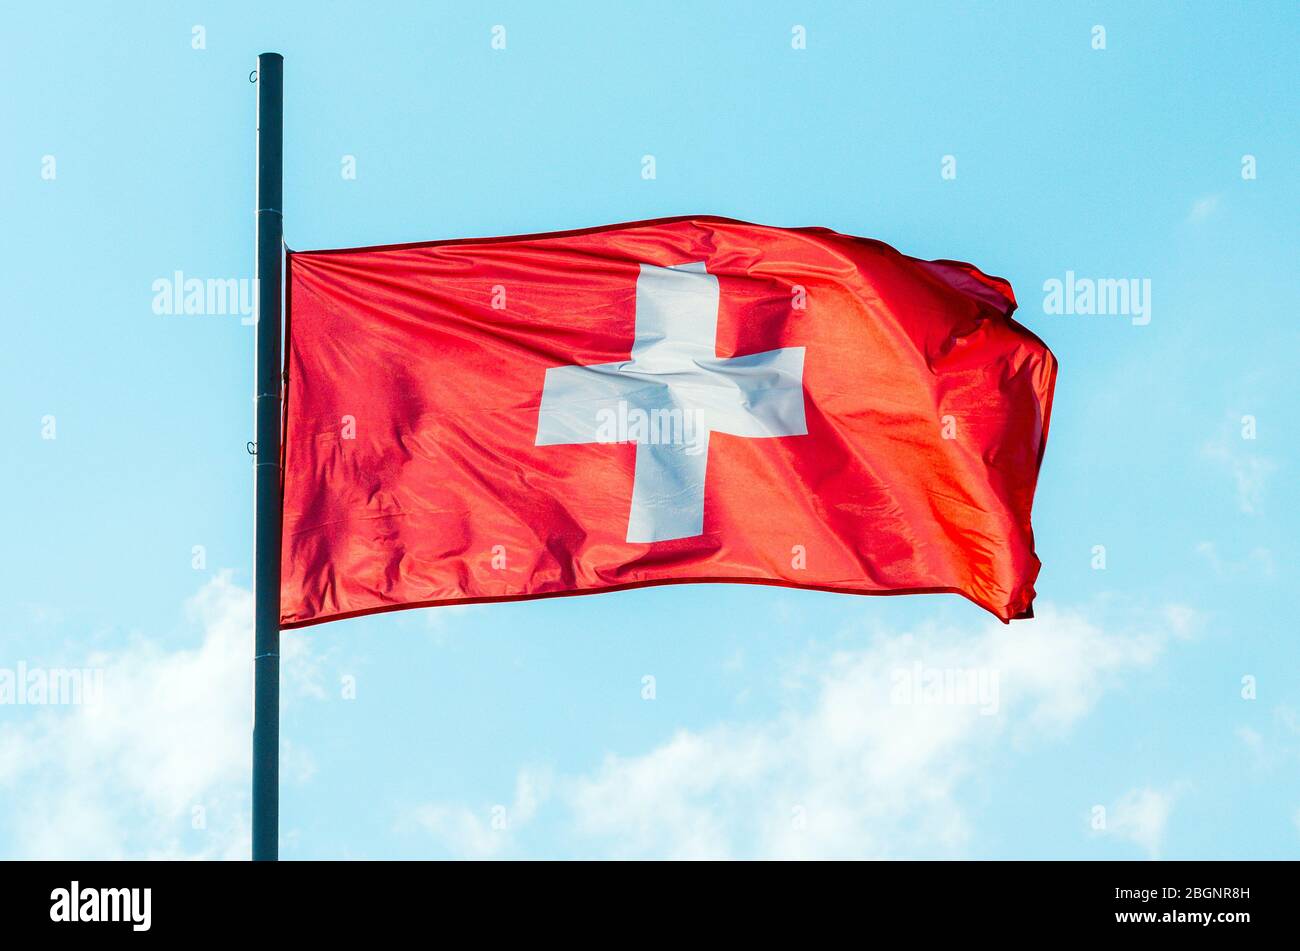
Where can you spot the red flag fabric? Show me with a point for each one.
(681, 400)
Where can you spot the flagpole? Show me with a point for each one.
(267, 499)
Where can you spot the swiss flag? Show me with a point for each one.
(689, 399)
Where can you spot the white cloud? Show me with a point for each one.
(1202, 208)
(443, 623)
(122, 777)
(488, 831)
(1258, 562)
(851, 773)
(1251, 738)
(1278, 746)
(1141, 816)
(1249, 470)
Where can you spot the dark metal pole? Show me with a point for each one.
(267, 499)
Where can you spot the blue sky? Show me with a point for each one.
(522, 730)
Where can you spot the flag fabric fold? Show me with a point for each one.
(682, 400)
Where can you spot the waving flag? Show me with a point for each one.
(683, 400)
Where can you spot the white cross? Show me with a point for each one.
(674, 383)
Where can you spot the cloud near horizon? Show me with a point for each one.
(123, 777)
(876, 764)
